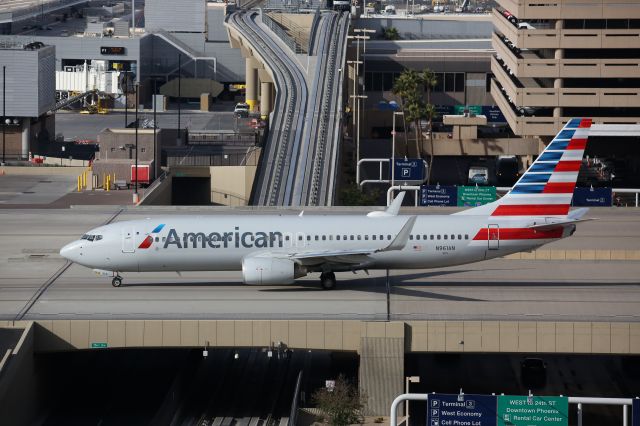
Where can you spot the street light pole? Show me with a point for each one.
(135, 193)
(4, 111)
(179, 98)
(410, 379)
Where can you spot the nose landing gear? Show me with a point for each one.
(116, 281)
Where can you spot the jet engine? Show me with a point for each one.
(269, 270)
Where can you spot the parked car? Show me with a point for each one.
(478, 175)
(241, 109)
(525, 26)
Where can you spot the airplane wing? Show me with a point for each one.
(347, 256)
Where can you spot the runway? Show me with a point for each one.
(501, 289)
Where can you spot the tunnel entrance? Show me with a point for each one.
(191, 191)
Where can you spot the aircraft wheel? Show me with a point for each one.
(328, 280)
(116, 281)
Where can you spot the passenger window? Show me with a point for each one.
(299, 237)
(338, 237)
(330, 237)
(366, 237)
(344, 237)
(324, 238)
(157, 239)
(411, 237)
(388, 237)
(418, 237)
(424, 237)
(286, 238)
(165, 239)
(466, 236)
(351, 237)
(431, 237)
(317, 238)
(381, 237)
(459, 236)
(359, 237)
(438, 236)
(308, 237)
(374, 237)
(446, 236)
(453, 237)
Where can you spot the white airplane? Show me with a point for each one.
(277, 249)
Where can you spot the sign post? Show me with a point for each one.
(473, 410)
(533, 410)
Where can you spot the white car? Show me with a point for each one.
(241, 109)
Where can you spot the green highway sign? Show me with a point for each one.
(475, 109)
(533, 410)
(98, 345)
(473, 196)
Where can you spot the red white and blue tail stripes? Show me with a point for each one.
(547, 187)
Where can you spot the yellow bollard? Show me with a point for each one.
(79, 184)
(108, 182)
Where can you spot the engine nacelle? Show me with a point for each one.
(269, 270)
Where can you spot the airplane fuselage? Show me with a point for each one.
(212, 243)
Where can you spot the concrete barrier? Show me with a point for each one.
(602, 255)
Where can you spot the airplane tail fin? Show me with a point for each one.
(546, 188)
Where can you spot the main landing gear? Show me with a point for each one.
(116, 281)
(328, 280)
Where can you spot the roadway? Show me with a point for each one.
(505, 289)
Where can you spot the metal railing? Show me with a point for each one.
(625, 403)
(281, 32)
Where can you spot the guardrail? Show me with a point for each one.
(280, 32)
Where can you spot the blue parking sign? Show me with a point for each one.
(477, 410)
(409, 170)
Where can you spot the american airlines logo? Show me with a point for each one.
(233, 239)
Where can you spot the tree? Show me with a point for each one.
(342, 404)
(414, 112)
(352, 195)
(406, 87)
(430, 81)
(391, 33)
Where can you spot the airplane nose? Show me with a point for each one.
(70, 251)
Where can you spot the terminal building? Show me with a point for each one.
(562, 59)
(27, 93)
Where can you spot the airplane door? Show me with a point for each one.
(493, 237)
(128, 242)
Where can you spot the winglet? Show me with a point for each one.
(401, 239)
(393, 209)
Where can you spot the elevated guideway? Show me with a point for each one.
(300, 154)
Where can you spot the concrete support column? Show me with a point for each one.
(381, 372)
(251, 78)
(265, 99)
(26, 137)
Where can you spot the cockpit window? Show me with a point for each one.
(90, 237)
(98, 237)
